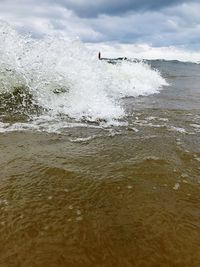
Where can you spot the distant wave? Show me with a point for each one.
(144, 51)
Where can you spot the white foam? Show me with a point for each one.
(176, 186)
(86, 88)
(195, 125)
(177, 129)
(84, 139)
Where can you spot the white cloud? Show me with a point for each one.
(177, 26)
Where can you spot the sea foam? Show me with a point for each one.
(64, 78)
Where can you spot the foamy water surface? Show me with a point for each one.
(63, 78)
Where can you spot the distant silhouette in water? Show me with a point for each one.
(119, 58)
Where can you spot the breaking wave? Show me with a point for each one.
(56, 76)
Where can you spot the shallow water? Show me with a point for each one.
(114, 188)
(128, 200)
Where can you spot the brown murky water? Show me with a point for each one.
(126, 200)
(114, 196)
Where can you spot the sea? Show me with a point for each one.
(99, 159)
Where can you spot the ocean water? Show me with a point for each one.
(100, 161)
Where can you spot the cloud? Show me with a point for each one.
(177, 26)
(88, 8)
(153, 22)
(41, 19)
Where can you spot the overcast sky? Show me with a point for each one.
(156, 23)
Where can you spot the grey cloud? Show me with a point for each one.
(88, 8)
(157, 23)
(171, 26)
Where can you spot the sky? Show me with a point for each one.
(106, 24)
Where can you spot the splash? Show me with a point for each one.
(61, 77)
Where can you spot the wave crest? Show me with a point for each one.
(63, 77)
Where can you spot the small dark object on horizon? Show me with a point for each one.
(119, 58)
